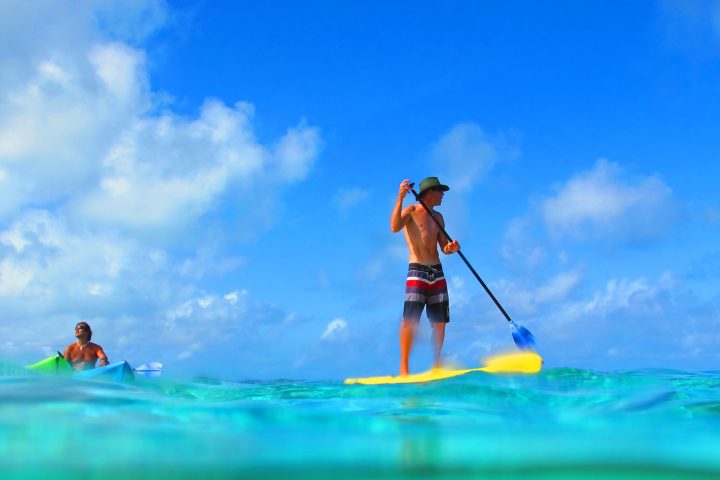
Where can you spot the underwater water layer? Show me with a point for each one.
(562, 423)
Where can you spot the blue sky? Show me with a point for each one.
(209, 184)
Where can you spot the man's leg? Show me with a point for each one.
(438, 339)
(407, 334)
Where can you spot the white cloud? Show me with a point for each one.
(167, 171)
(638, 295)
(465, 154)
(136, 298)
(31, 33)
(640, 321)
(79, 137)
(206, 301)
(14, 238)
(14, 277)
(99, 289)
(527, 301)
(185, 354)
(103, 192)
(602, 204)
(643, 321)
(619, 310)
(558, 287)
(121, 70)
(56, 126)
(334, 328)
(80, 129)
(59, 266)
(233, 297)
(296, 152)
(478, 328)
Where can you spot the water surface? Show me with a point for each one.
(561, 423)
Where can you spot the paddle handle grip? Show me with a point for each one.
(464, 259)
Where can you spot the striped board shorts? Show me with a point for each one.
(426, 286)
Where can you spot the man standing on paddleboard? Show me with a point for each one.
(425, 283)
(83, 354)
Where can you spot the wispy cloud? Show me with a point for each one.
(638, 295)
(527, 301)
(604, 203)
(466, 153)
(334, 328)
(642, 321)
(296, 151)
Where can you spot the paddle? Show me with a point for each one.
(521, 335)
(152, 370)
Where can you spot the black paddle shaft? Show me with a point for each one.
(442, 229)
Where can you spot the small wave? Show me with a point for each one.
(564, 421)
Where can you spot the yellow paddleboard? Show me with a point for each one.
(521, 362)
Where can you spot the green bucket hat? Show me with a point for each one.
(432, 182)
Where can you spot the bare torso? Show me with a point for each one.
(86, 357)
(422, 235)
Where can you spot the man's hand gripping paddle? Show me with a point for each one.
(521, 335)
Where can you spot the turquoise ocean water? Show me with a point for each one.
(562, 423)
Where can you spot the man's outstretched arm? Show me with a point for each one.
(397, 219)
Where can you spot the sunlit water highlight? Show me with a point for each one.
(562, 423)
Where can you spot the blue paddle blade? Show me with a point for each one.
(152, 370)
(522, 337)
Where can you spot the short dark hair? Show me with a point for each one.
(87, 326)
